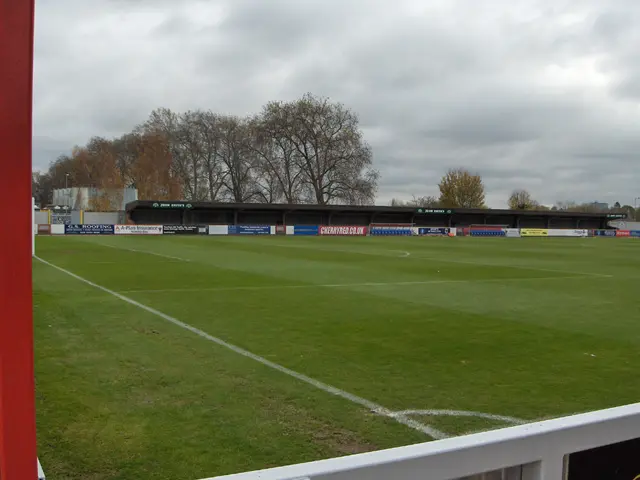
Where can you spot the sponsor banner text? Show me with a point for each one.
(183, 230)
(534, 232)
(138, 230)
(88, 229)
(249, 229)
(342, 230)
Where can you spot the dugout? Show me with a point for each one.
(208, 213)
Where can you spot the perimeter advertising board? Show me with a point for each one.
(218, 230)
(558, 232)
(534, 232)
(88, 229)
(138, 230)
(433, 231)
(499, 232)
(305, 230)
(342, 230)
(249, 229)
(183, 230)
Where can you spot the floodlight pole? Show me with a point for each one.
(635, 208)
(18, 459)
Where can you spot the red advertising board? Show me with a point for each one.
(342, 230)
(623, 233)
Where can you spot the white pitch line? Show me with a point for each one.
(145, 251)
(347, 285)
(372, 406)
(463, 413)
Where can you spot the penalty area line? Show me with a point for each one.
(463, 413)
(372, 406)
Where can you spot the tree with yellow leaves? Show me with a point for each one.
(459, 188)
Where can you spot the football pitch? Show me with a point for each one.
(189, 357)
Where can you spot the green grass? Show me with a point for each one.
(527, 328)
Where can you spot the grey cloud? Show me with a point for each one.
(534, 94)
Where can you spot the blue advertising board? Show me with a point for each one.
(488, 233)
(605, 233)
(88, 229)
(433, 231)
(249, 230)
(405, 231)
(305, 230)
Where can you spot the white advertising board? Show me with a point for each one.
(138, 230)
(218, 230)
(567, 233)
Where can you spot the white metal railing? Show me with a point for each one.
(534, 451)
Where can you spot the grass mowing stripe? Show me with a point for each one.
(347, 285)
(418, 256)
(374, 407)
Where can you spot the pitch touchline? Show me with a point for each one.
(372, 406)
(346, 285)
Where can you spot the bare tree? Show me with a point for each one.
(207, 130)
(268, 188)
(237, 159)
(427, 201)
(192, 153)
(330, 150)
(277, 154)
(305, 151)
(126, 150)
(572, 206)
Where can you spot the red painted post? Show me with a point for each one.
(17, 409)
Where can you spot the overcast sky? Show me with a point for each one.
(535, 94)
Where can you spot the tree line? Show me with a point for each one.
(309, 150)
(460, 188)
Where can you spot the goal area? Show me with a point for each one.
(388, 229)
